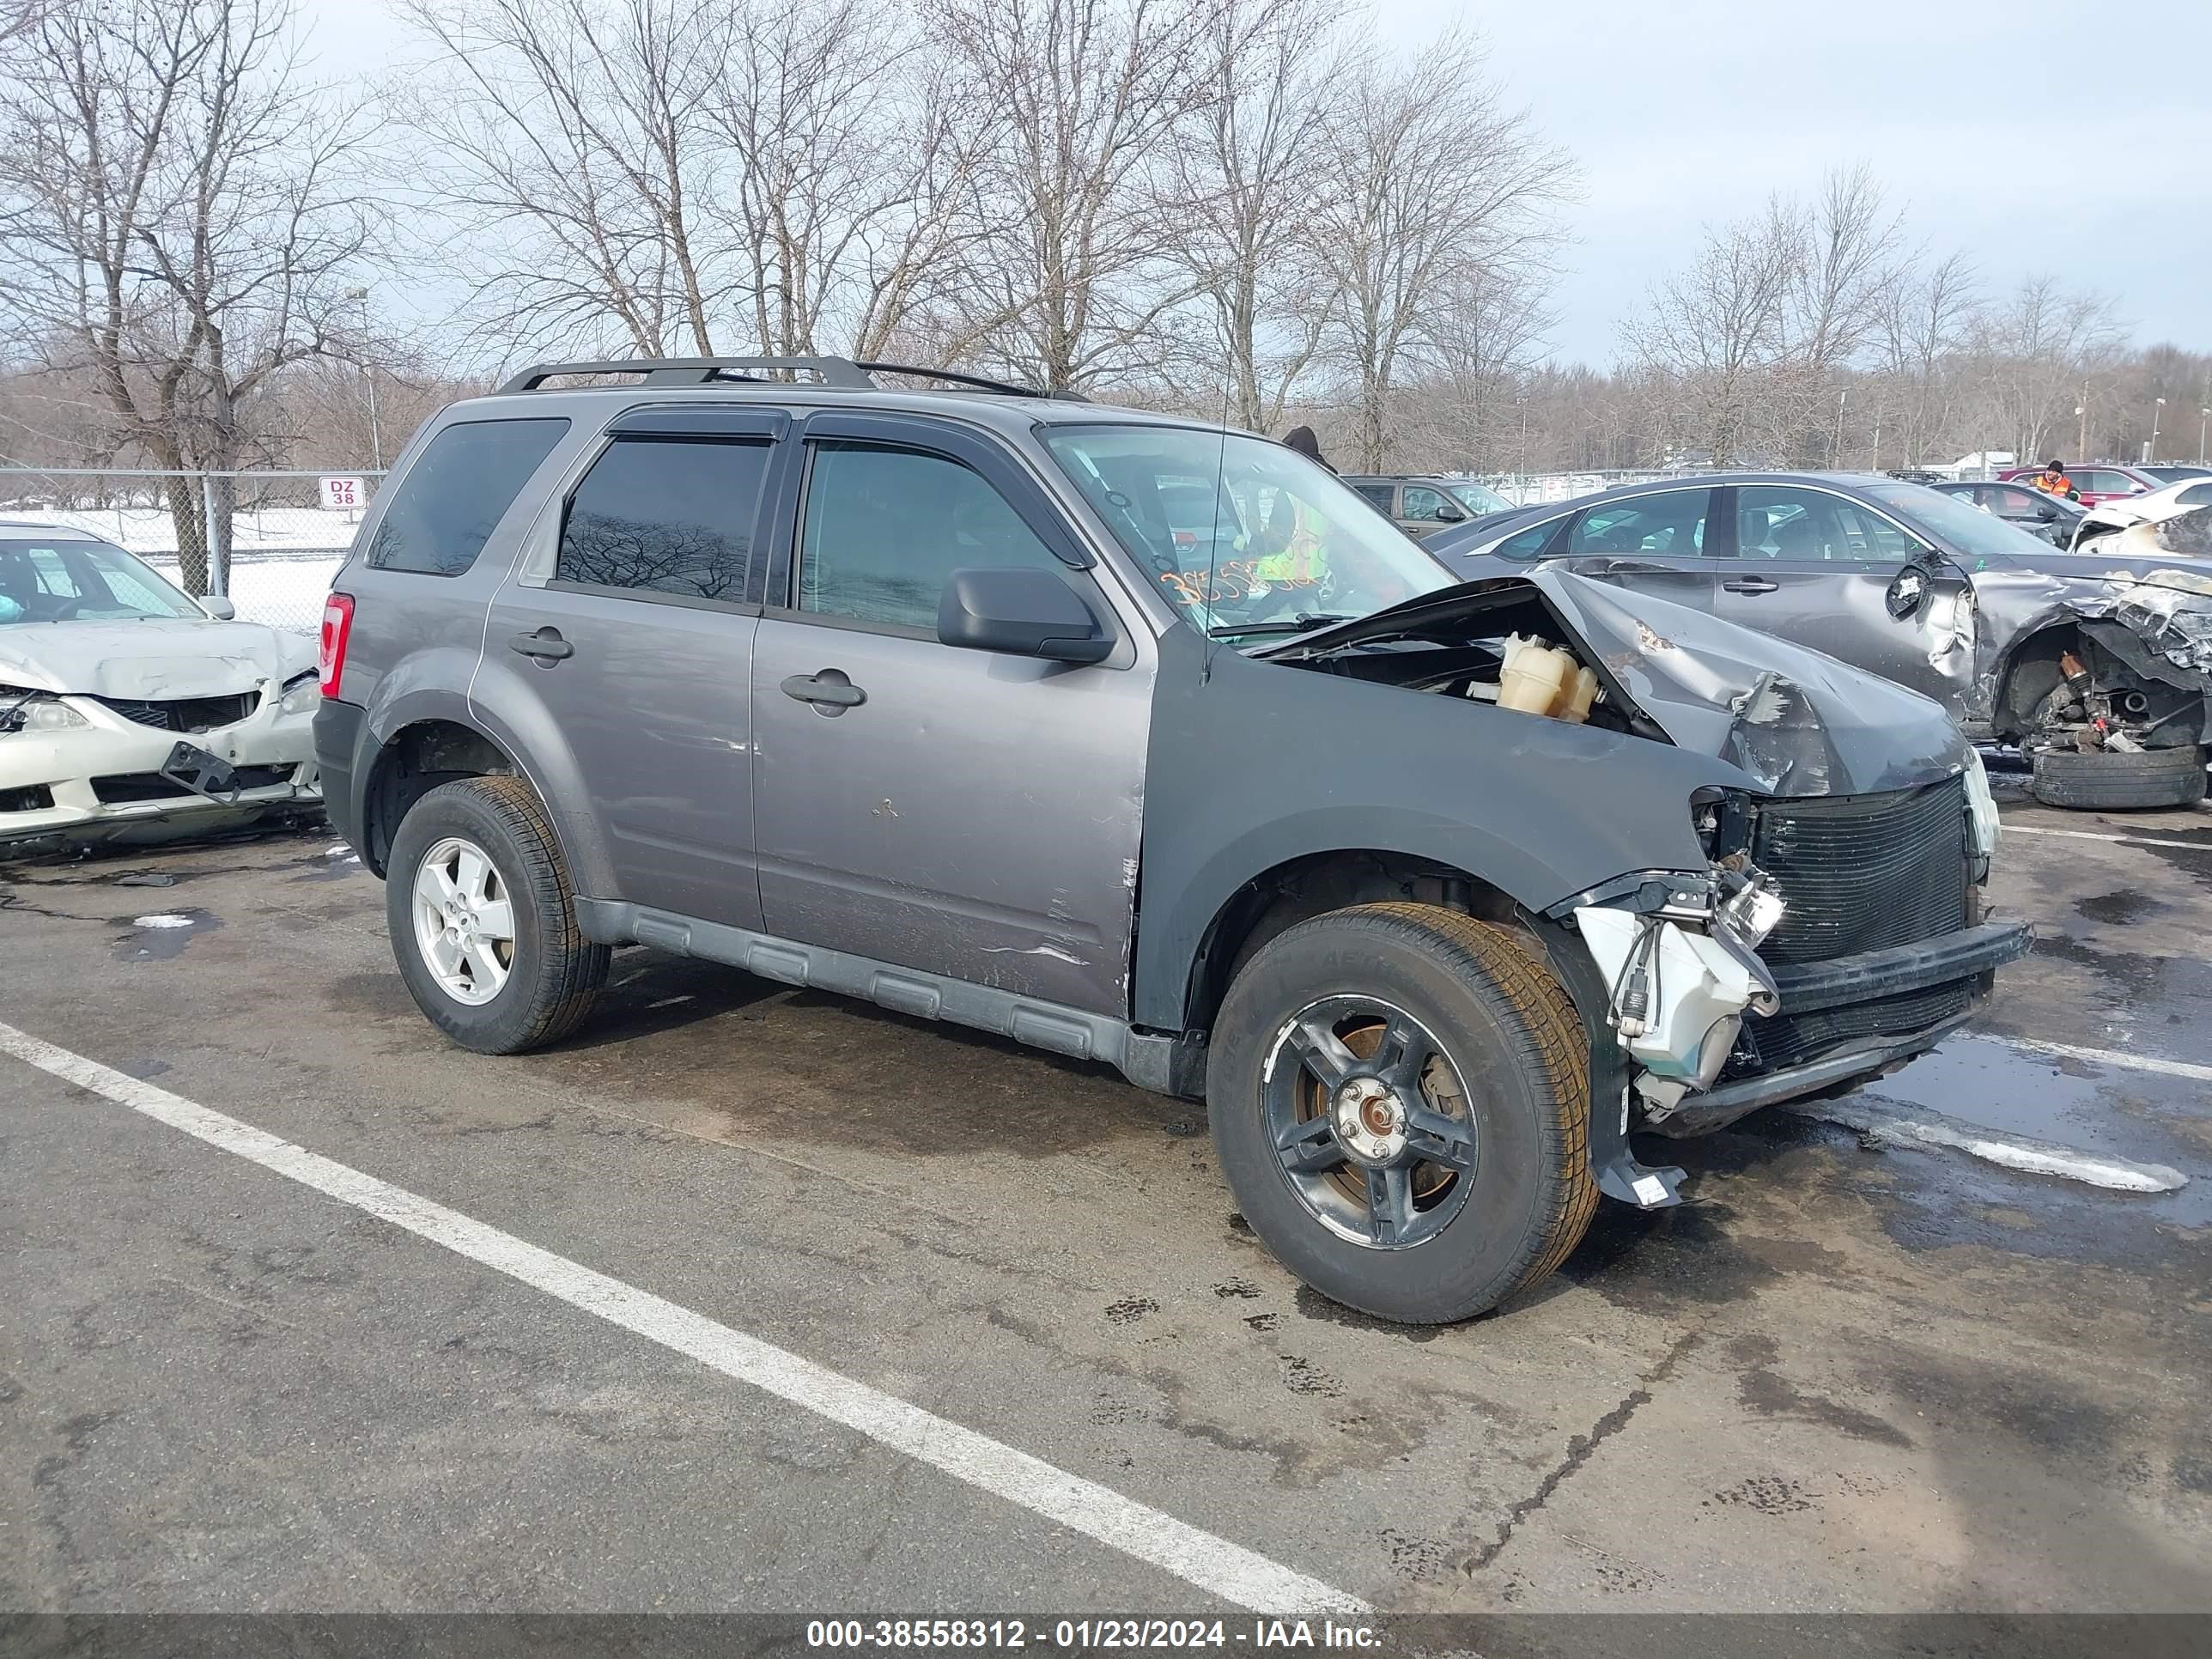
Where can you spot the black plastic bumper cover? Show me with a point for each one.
(1971, 951)
(338, 734)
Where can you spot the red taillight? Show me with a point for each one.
(337, 627)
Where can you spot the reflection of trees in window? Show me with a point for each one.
(695, 560)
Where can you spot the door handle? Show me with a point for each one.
(1752, 585)
(829, 691)
(546, 645)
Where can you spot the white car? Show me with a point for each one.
(129, 712)
(2170, 519)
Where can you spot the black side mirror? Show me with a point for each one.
(1909, 589)
(1447, 514)
(1023, 611)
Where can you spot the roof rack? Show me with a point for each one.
(840, 372)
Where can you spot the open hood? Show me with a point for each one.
(150, 659)
(1796, 722)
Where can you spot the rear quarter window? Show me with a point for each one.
(444, 509)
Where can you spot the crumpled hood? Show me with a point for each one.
(150, 659)
(1797, 723)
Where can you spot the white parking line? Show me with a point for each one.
(2113, 1057)
(2011, 828)
(1198, 1558)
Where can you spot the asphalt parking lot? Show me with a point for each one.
(1851, 1374)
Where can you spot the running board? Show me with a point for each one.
(1165, 1065)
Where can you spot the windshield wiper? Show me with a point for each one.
(1297, 624)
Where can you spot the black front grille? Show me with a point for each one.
(184, 713)
(1785, 1039)
(30, 798)
(122, 788)
(1864, 872)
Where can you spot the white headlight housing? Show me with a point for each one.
(1981, 806)
(37, 712)
(302, 694)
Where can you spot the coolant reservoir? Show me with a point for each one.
(1533, 676)
(1582, 692)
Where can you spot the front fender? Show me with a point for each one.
(1254, 763)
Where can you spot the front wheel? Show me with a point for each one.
(483, 922)
(1399, 1096)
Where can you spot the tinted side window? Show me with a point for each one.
(1671, 523)
(1378, 493)
(885, 527)
(454, 495)
(1527, 544)
(2198, 494)
(665, 516)
(1775, 522)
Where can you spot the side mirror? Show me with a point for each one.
(219, 607)
(1020, 611)
(1909, 589)
(1447, 514)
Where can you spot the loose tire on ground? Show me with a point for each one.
(554, 972)
(2109, 780)
(1512, 1038)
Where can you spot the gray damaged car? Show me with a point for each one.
(1434, 890)
(2096, 663)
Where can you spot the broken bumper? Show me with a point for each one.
(103, 780)
(1968, 954)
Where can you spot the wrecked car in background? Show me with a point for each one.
(129, 712)
(2172, 520)
(1434, 891)
(2096, 663)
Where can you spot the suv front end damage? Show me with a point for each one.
(1835, 929)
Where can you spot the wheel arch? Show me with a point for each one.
(410, 760)
(1312, 883)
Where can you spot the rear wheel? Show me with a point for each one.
(1399, 1096)
(483, 922)
(2110, 780)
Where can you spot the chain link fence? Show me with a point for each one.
(268, 541)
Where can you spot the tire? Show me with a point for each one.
(1507, 1036)
(552, 972)
(2113, 782)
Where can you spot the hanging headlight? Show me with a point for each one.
(26, 711)
(301, 693)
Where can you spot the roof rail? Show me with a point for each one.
(696, 371)
(978, 381)
(702, 371)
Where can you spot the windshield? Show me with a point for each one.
(1286, 542)
(1478, 500)
(82, 581)
(1962, 527)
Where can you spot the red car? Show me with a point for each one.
(2099, 480)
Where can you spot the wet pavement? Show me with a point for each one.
(1848, 1374)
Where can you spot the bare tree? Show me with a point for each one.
(1922, 314)
(1241, 182)
(1430, 176)
(1067, 285)
(853, 156)
(574, 151)
(1717, 328)
(2037, 348)
(173, 219)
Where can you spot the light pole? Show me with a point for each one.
(1836, 454)
(359, 296)
(2151, 454)
(2082, 439)
(2203, 418)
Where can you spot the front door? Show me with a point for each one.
(1653, 544)
(961, 812)
(1814, 567)
(632, 634)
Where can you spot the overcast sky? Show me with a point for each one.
(2036, 135)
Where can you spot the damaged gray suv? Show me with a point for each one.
(1433, 890)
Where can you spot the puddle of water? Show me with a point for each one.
(1989, 1082)
(161, 935)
